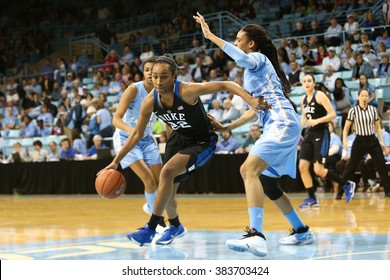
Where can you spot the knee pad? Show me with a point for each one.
(271, 187)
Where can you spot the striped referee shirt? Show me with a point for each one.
(364, 120)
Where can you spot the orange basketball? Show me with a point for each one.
(110, 184)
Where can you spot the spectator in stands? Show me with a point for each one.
(39, 154)
(370, 88)
(361, 67)
(104, 35)
(47, 68)
(341, 84)
(321, 54)
(10, 120)
(342, 104)
(17, 149)
(294, 48)
(315, 30)
(54, 154)
(128, 55)
(331, 60)
(82, 64)
(370, 24)
(58, 128)
(97, 144)
(196, 48)
(35, 87)
(69, 83)
(307, 56)
(78, 143)
(104, 120)
(29, 127)
(68, 152)
(254, 134)
(216, 111)
(109, 61)
(329, 78)
(42, 130)
(383, 70)
(146, 54)
(369, 56)
(363, 41)
(296, 75)
(183, 74)
(351, 28)
(228, 144)
(230, 113)
(383, 38)
(199, 72)
(56, 92)
(115, 85)
(299, 30)
(46, 83)
(333, 33)
(60, 71)
(219, 60)
(348, 61)
(46, 116)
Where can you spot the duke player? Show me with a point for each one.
(191, 144)
(317, 113)
(275, 153)
(144, 159)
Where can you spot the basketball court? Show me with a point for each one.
(87, 227)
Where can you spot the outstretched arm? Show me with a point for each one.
(242, 59)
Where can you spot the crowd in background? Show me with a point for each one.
(66, 98)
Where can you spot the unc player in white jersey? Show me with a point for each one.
(275, 153)
(144, 159)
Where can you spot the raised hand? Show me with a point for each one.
(205, 27)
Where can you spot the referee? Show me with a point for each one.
(366, 120)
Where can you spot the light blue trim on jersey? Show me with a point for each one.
(277, 145)
(146, 150)
(132, 113)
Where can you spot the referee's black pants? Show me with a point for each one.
(367, 145)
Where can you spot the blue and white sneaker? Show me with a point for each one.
(303, 236)
(143, 237)
(349, 190)
(310, 202)
(252, 242)
(171, 233)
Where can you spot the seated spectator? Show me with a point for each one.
(104, 120)
(299, 30)
(10, 120)
(216, 111)
(18, 154)
(348, 61)
(183, 74)
(128, 55)
(370, 24)
(97, 144)
(42, 130)
(228, 144)
(383, 38)
(342, 104)
(199, 72)
(115, 86)
(296, 75)
(351, 27)
(321, 54)
(363, 40)
(230, 113)
(364, 84)
(254, 134)
(39, 154)
(369, 56)
(68, 152)
(69, 82)
(361, 67)
(29, 127)
(307, 56)
(45, 116)
(332, 60)
(146, 54)
(383, 70)
(329, 78)
(333, 33)
(78, 143)
(54, 154)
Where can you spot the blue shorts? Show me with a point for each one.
(145, 150)
(277, 146)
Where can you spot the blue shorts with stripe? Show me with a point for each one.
(145, 150)
(315, 146)
(200, 152)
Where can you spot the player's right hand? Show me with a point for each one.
(112, 165)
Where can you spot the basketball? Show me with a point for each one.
(110, 184)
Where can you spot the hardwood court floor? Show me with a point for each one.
(89, 227)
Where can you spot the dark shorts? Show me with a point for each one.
(315, 146)
(200, 152)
